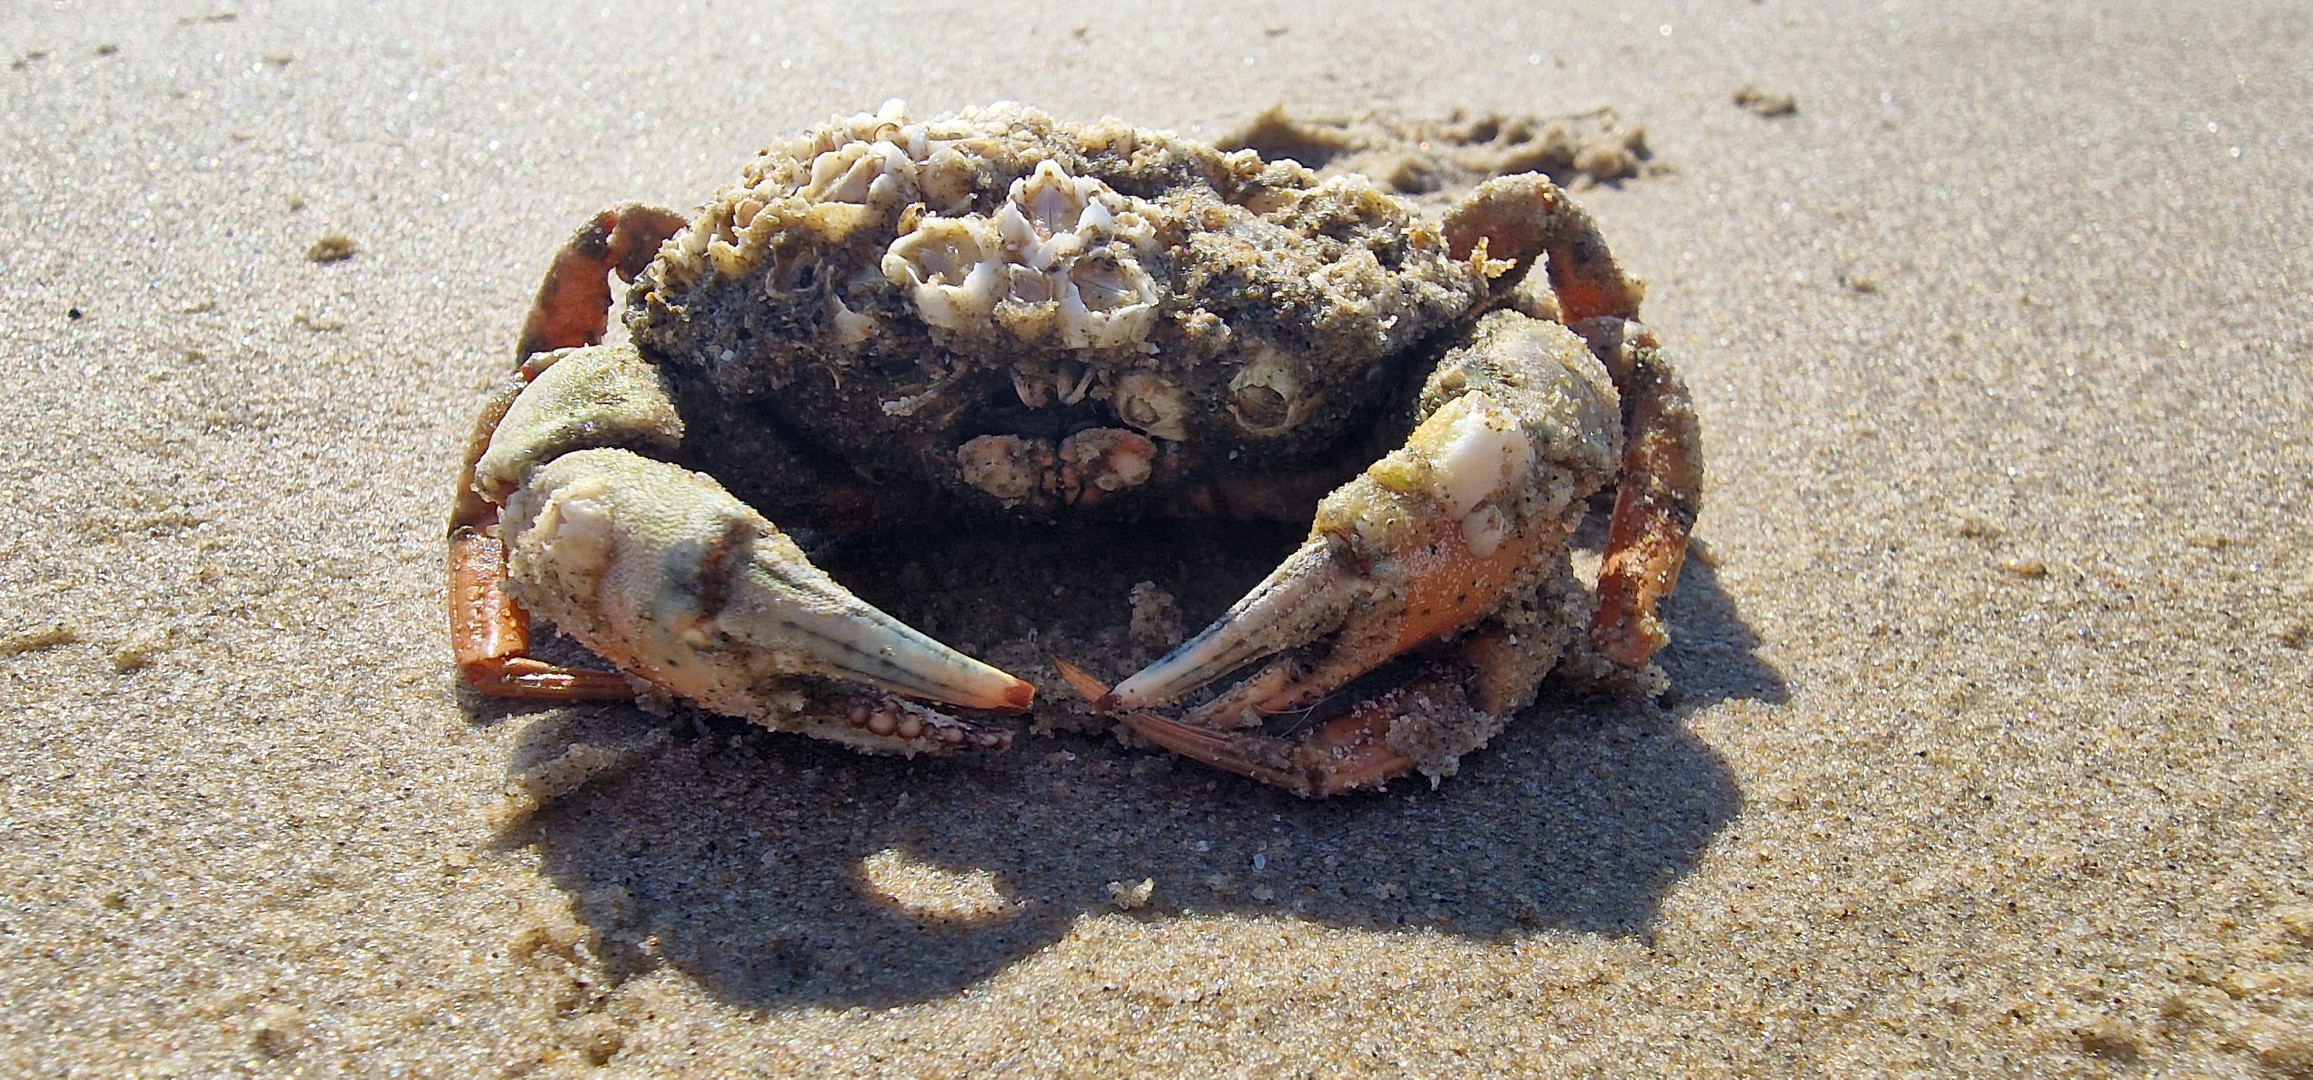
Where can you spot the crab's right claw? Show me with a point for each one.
(1430, 539)
(1468, 517)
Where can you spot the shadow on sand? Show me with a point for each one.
(745, 858)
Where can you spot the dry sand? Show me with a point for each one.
(1988, 752)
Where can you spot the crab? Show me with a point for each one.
(888, 321)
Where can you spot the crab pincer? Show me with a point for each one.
(656, 568)
(1464, 522)
(662, 572)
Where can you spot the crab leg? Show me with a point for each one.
(1519, 427)
(489, 634)
(1660, 493)
(1347, 753)
(1519, 218)
(573, 303)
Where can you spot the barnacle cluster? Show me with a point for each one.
(1059, 261)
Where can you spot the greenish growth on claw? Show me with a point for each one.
(1541, 371)
(602, 395)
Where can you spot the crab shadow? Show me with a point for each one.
(776, 871)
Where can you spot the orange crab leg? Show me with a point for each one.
(489, 633)
(1346, 754)
(1661, 492)
(573, 304)
(1349, 753)
(1520, 217)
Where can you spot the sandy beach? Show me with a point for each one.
(1986, 752)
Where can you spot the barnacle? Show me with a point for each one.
(1059, 262)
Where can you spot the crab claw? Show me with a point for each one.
(661, 572)
(1468, 518)
(1430, 539)
(1374, 600)
(1308, 596)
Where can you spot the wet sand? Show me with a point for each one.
(1987, 749)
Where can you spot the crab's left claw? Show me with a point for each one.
(676, 582)
(1469, 515)
(666, 575)
(658, 569)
